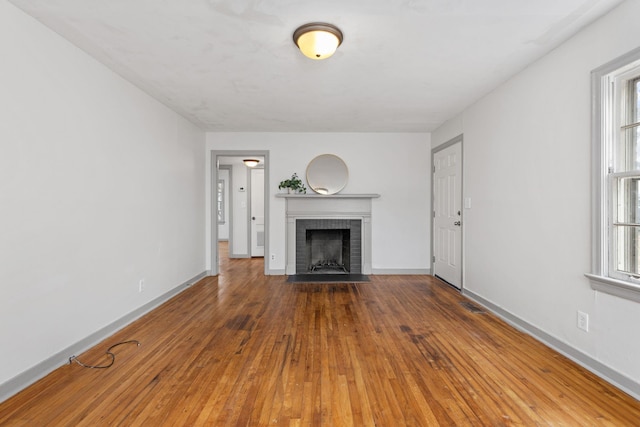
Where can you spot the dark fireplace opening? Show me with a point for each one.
(328, 251)
(328, 246)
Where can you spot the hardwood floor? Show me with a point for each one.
(245, 349)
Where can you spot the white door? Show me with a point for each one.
(447, 220)
(257, 212)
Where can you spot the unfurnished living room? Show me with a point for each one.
(338, 213)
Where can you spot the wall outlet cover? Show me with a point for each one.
(583, 321)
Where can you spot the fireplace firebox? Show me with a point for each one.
(327, 251)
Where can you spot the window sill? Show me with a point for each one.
(619, 288)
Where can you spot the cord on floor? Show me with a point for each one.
(109, 353)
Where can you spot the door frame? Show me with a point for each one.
(213, 168)
(449, 143)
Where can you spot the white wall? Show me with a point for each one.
(527, 170)
(100, 186)
(223, 229)
(240, 246)
(396, 166)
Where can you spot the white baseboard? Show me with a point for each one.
(31, 375)
(619, 380)
(401, 271)
(240, 256)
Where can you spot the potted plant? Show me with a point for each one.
(293, 185)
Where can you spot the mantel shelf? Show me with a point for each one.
(328, 196)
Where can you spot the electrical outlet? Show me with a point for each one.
(273, 257)
(583, 321)
(141, 285)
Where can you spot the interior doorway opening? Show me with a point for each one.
(235, 210)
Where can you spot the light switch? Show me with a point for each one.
(467, 202)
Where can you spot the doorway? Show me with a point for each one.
(240, 203)
(447, 212)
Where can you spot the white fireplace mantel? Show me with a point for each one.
(343, 206)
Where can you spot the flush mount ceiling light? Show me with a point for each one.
(317, 40)
(252, 163)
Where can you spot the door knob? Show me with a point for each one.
(253, 218)
(456, 223)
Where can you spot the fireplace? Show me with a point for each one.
(328, 246)
(339, 217)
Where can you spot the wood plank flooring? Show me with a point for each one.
(243, 349)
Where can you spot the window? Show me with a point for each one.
(616, 152)
(624, 171)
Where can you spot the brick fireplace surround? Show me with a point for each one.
(343, 247)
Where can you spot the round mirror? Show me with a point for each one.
(327, 174)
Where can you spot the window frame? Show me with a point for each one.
(603, 129)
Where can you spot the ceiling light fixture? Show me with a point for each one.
(317, 40)
(251, 163)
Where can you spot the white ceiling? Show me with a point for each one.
(231, 65)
